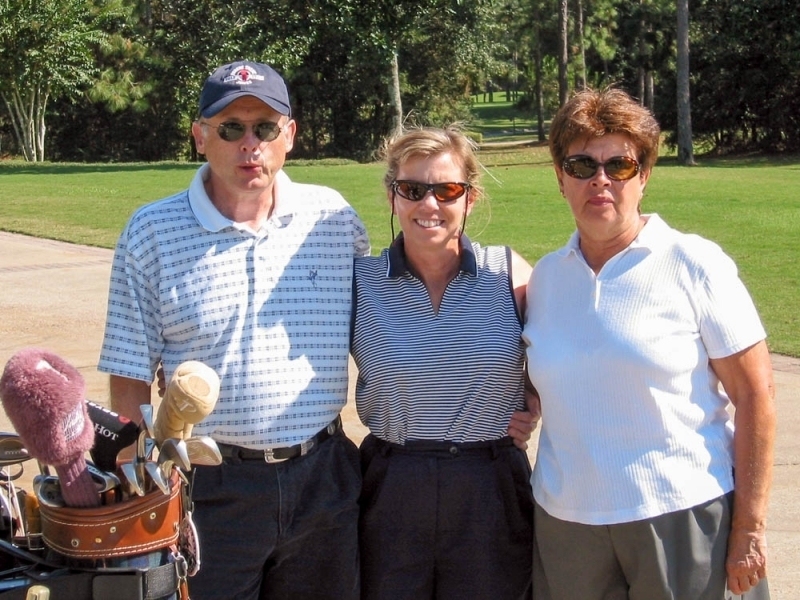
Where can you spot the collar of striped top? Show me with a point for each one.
(397, 257)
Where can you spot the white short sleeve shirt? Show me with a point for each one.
(634, 422)
(268, 310)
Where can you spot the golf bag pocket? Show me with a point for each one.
(138, 525)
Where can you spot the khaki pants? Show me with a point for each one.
(677, 555)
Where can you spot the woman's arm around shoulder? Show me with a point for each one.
(522, 423)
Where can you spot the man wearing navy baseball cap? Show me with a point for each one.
(251, 274)
(244, 78)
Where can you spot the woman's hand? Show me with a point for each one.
(523, 422)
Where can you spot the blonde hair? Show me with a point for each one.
(432, 141)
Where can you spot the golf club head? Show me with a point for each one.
(48, 491)
(176, 450)
(166, 465)
(203, 451)
(189, 544)
(157, 477)
(104, 480)
(131, 478)
(140, 459)
(147, 419)
(12, 450)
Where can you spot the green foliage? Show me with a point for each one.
(47, 44)
(348, 118)
(46, 49)
(119, 79)
(747, 86)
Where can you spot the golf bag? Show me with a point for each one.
(135, 549)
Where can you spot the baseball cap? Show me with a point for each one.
(244, 78)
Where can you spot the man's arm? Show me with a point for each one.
(747, 379)
(127, 395)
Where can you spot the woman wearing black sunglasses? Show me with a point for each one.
(447, 510)
(631, 328)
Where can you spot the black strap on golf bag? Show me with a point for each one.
(68, 583)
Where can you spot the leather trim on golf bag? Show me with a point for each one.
(136, 526)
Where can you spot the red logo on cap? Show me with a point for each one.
(244, 76)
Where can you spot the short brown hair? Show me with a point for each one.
(432, 141)
(591, 113)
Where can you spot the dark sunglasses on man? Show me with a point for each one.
(231, 131)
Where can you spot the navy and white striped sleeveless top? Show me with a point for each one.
(455, 375)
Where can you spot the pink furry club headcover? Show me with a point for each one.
(44, 397)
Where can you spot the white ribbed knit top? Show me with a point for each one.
(634, 424)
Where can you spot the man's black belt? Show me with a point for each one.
(276, 455)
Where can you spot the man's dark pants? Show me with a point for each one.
(285, 531)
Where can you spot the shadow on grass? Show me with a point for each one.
(507, 153)
(709, 161)
(48, 168)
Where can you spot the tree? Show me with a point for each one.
(685, 152)
(563, 51)
(436, 51)
(581, 45)
(46, 50)
(532, 25)
(745, 87)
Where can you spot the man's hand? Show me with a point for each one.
(521, 427)
(747, 559)
(161, 381)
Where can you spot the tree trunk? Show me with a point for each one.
(685, 153)
(649, 91)
(14, 123)
(394, 96)
(21, 111)
(582, 43)
(538, 84)
(40, 104)
(537, 71)
(641, 69)
(563, 54)
(640, 84)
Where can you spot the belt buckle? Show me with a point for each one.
(269, 457)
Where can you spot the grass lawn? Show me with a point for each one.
(748, 206)
(501, 121)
